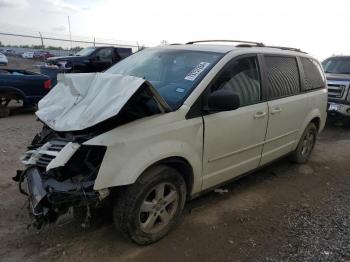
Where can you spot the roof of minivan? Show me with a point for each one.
(229, 48)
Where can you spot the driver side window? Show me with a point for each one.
(105, 53)
(241, 77)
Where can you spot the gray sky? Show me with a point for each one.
(318, 27)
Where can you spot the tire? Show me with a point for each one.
(160, 215)
(4, 111)
(306, 144)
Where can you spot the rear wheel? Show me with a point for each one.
(147, 210)
(4, 111)
(306, 145)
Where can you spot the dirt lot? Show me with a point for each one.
(21, 63)
(283, 212)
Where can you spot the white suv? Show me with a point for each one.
(166, 124)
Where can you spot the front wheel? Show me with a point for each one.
(147, 210)
(306, 145)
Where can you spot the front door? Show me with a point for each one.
(233, 140)
(103, 59)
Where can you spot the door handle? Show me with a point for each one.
(259, 114)
(276, 110)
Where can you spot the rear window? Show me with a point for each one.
(282, 76)
(313, 75)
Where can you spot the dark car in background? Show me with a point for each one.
(90, 59)
(337, 69)
(21, 85)
(42, 55)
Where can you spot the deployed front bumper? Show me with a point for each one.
(48, 198)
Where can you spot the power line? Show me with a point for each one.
(64, 40)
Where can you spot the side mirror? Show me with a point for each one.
(223, 100)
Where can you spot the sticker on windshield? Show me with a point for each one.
(195, 72)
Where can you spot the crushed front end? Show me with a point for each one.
(59, 176)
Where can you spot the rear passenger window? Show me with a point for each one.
(313, 75)
(282, 76)
(242, 78)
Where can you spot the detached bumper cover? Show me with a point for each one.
(48, 198)
(36, 190)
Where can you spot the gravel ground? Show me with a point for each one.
(15, 62)
(284, 212)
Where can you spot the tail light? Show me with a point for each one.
(47, 84)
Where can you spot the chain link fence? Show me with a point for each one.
(16, 40)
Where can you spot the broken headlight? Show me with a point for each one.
(84, 163)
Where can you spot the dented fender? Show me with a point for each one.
(134, 147)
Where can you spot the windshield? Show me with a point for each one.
(338, 65)
(174, 73)
(86, 51)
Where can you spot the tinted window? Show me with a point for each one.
(242, 78)
(313, 74)
(282, 76)
(123, 52)
(105, 53)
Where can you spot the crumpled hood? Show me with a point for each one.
(79, 101)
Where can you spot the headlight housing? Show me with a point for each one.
(64, 64)
(85, 161)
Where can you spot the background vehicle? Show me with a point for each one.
(21, 85)
(187, 119)
(10, 52)
(91, 59)
(3, 59)
(42, 55)
(28, 55)
(337, 71)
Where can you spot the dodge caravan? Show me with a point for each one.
(166, 124)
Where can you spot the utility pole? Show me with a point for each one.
(70, 34)
(42, 40)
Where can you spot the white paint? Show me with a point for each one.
(63, 156)
(80, 101)
(235, 141)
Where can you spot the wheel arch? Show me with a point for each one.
(181, 165)
(317, 121)
(313, 117)
(12, 92)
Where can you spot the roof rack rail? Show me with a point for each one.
(232, 41)
(248, 44)
(287, 48)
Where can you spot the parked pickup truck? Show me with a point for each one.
(337, 71)
(21, 85)
(90, 59)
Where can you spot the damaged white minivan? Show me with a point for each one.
(166, 124)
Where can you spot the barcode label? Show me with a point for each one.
(195, 72)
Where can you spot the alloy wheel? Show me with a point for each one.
(158, 208)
